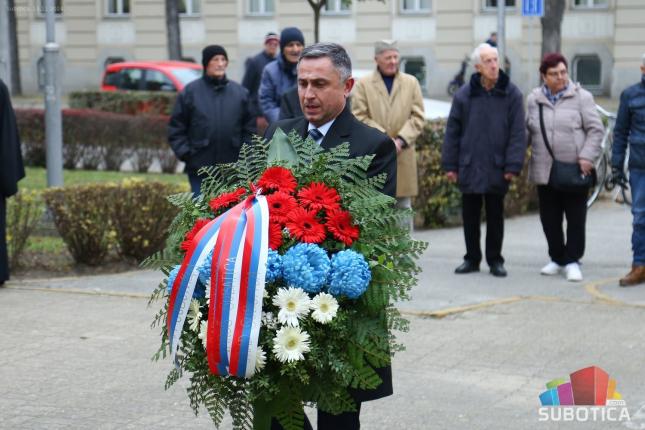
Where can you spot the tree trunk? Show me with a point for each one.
(552, 25)
(16, 86)
(172, 30)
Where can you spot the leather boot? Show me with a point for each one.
(634, 277)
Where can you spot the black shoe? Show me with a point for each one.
(497, 269)
(467, 267)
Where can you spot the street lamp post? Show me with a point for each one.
(53, 119)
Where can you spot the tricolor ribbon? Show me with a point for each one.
(239, 241)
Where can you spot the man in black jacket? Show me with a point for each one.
(11, 170)
(483, 150)
(211, 118)
(324, 83)
(253, 74)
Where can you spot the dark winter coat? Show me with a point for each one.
(290, 104)
(11, 169)
(209, 123)
(252, 76)
(485, 136)
(278, 77)
(630, 128)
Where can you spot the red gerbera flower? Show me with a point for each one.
(339, 223)
(190, 235)
(278, 178)
(318, 196)
(275, 235)
(280, 204)
(227, 199)
(304, 226)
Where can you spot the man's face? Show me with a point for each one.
(322, 94)
(643, 69)
(292, 51)
(271, 47)
(556, 78)
(217, 66)
(388, 62)
(489, 65)
(493, 38)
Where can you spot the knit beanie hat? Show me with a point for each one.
(291, 34)
(210, 51)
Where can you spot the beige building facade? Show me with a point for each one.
(603, 39)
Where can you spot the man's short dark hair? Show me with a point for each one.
(552, 59)
(336, 53)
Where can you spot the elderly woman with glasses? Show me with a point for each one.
(564, 114)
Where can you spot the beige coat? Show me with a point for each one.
(399, 113)
(573, 128)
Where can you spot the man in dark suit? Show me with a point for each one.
(324, 83)
(11, 170)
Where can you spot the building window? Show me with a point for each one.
(337, 7)
(415, 66)
(492, 4)
(589, 4)
(415, 6)
(587, 69)
(189, 7)
(118, 7)
(58, 7)
(261, 7)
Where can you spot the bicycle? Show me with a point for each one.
(604, 179)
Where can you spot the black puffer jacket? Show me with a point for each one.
(210, 121)
(485, 136)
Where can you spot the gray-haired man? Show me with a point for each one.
(324, 83)
(483, 150)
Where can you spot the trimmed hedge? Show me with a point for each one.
(439, 201)
(24, 212)
(93, 138)
(133, 215)
(126, 102)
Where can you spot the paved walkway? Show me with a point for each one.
(76, 351)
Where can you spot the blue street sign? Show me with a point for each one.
(532, 7)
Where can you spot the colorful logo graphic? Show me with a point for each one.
(590, 386)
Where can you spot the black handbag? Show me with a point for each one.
(566, 176)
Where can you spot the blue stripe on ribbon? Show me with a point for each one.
(179, 299)
(250, 297)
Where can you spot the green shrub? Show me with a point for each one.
(125, 102)
(141, 215)
(439, 201)
(81, 218)
(24, 212)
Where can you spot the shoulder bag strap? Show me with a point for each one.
(546, 141)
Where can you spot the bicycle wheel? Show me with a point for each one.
(602, 170)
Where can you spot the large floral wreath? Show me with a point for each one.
(331, 259)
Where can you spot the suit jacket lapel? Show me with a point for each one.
(340, 130)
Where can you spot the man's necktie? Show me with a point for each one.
(315, 134)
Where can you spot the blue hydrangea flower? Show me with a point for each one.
(200, 287)
(172, 276)
(306, 266)
(349, 275)
(274, 266)
(205, 269)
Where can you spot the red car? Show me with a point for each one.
(149, 75)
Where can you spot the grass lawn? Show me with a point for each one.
(36, 177)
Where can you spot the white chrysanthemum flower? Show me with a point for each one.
(324, 308)
(208, 293)
(268, 320)
(265, 294)
(194, 315)
(260, 360)
(293, 304)
(290, 344)
(203, 332)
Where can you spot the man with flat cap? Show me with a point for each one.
(211, 118)
(391, 101)
(324, 83)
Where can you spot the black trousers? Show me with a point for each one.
(4, 259)
(553, 205)
(471, 207)
(327, 421)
